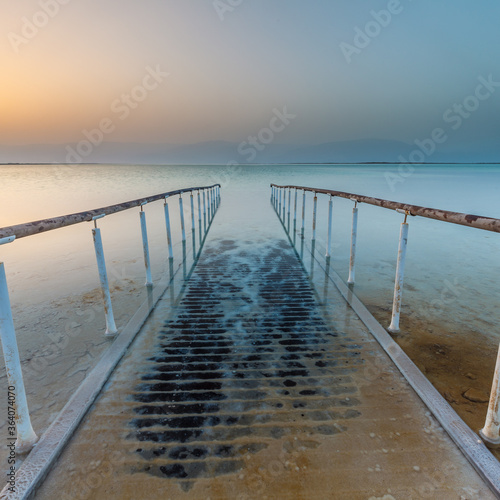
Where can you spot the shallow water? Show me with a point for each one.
(450, 296)
(450, 268)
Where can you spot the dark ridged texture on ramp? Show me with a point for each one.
(246, 359)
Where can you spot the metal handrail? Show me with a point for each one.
(477, 221)
(490, 433)
(26, 436)
(41, 226)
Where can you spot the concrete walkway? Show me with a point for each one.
(253, 388)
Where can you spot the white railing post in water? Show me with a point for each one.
(111, 329)
(329, 237)
(295, 217)
(279, 204)
(354, 235)
(289, 203)
(145, 245)
(295, 208)
(315, 209)
(204, 212)
(26, 437)
(181, 210)
(490, 433)
(169, 233)
(209, 205)
(199, 209)
(193, 227)
(400, 271)
(303, 213)
(200, 230)
(284, 204)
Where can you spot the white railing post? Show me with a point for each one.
(284, 204)
(279, 204)
(490, 433)
(289, 203)
(204, 211)
(181, 210)
(329, 237)
(193, 226)
(145, 245)
(354, 235)
(209, 217)
(295, 208)
(169, 233)
(199, 210)
(315, 209)
(200, 230)
(111, 329)
(210, 206)
(400, 271)
(16, 395)
(303, 213)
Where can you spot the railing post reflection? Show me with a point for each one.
(184, 260)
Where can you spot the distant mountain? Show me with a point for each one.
(221, 152)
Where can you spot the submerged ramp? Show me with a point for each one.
(252, 390)
(246, 361)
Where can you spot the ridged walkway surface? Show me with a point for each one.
(251, 390)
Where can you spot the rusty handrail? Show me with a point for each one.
(41, 226)
(477, 221)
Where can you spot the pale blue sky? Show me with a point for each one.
(227, 76)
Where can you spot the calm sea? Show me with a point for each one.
(452, 271)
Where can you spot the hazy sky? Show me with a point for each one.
(232, 62)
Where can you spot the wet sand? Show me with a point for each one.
(59, 344)
(459, 363)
